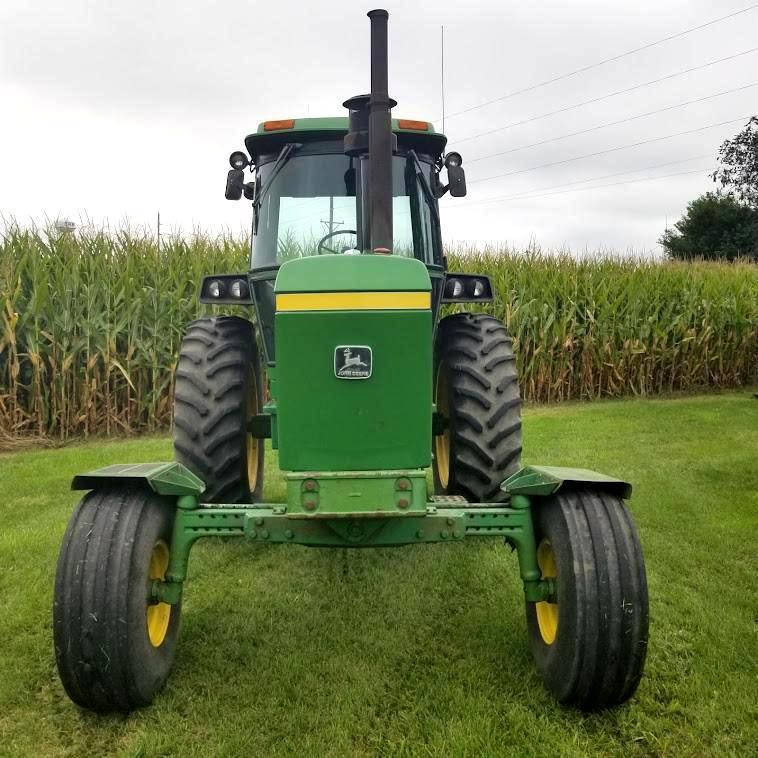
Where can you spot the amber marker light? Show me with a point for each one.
(417, 126)
(275, 126)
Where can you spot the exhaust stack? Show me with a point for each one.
(371, 130)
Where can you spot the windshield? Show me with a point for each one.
(313, 208)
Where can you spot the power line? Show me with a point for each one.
(614, 123)
(609, 150)
(606, 96)
(549, 188)
(591, 66)
(602, 186)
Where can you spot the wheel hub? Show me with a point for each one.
(158, 614)
(547, 612)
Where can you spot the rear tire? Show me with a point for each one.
(219, 388)
(113, 645)
(476, 391)
(590, 646)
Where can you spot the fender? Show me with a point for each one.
(543, 481)
(169, 478)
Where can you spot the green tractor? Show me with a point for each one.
(348, 368)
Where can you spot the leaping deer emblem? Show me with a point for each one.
(352, 360)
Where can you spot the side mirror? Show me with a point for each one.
(235, 181)
(456, 176)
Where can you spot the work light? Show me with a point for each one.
(238, 160)
(216, 288)
(453, 159)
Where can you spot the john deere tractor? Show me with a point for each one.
(347, 366)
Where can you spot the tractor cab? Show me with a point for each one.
(310, 190)
(310, 197)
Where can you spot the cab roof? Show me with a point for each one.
(420, 135)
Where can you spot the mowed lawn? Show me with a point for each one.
(417, 650)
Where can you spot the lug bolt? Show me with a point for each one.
(403, 484)
(289, 534)
(259, 522)
(444, 534)
(310, 505)
(403, 503)
(450, 522)
(253, 533)
(310, 485)
(457, 534)
(420, 534)
(264, 534)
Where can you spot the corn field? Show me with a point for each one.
(91, 323)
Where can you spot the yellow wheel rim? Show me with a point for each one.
(442, 441)
(547, 613)
(251, 443)
(158, 614)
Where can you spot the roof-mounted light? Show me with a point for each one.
(416, 126)
(275, 126)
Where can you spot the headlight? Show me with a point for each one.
(453, 288)
(216, 288)
(467, 288)
(239, 288)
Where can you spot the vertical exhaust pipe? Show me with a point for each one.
(380, 142)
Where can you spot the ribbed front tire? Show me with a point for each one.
(477, 394)
(219, 388)
(590, 645)
(114, 646)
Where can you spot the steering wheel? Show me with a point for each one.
(321, 244)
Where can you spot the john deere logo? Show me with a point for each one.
(352, 362)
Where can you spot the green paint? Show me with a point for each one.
(383, 422)
(356, 494)
(163, 478)
(275, 524)
(325, 423)
(353, 273)
(546, 480)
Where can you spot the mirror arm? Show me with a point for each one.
(430, 197)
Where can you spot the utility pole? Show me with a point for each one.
(331, 223)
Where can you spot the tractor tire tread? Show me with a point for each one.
(216, 359)
(598, 656)
(483, 391)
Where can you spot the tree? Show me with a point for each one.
(714, 226)
(738, 172)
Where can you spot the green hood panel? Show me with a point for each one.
(353, 273)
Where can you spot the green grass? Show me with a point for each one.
(418, 650)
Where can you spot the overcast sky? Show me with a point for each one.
(120, 109)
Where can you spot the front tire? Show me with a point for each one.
(219, 388)
(590, 645)
(477, 394)
(114, 646)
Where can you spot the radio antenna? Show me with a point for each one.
(442, 73)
